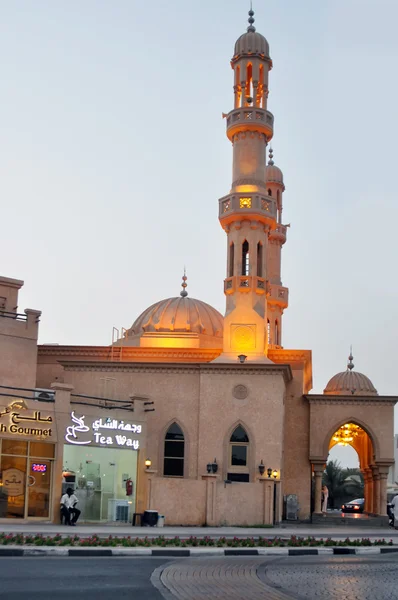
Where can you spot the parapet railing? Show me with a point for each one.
(37, 394)
(13, 315)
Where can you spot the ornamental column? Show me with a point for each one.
(318, 472)
(376, 490)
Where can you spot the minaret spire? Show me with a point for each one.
(350, 365)
(251, 27)
(184, 285)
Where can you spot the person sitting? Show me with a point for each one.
(68, 507)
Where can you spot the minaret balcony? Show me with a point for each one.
(250, 119)
(279, 233)
(277, 294)
(247, 206)
(244, 283)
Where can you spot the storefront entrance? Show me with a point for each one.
(25, 479)
(104, 481)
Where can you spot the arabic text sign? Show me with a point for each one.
(102, 432)
(13, 482)
(23, 421)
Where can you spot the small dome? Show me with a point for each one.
(251, 42)
(350, 383)
(179, 315)
(273, 174)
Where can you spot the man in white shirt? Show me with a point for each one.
(68, 507)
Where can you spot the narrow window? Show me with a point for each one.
(231, 260)
(276, 333)
(268, 331)
(269, 192)
(259, 259)
(245, 258)
(174, 451)
(239, 455)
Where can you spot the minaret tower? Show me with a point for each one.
(277, 299)
(249, 213)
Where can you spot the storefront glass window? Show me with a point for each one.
(14, 447)
(25, 479)
(13, 486)
(99, 479)
(42, 449)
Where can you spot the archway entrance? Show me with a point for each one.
(374, 472)
(350, 456)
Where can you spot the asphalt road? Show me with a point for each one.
(239, 578)
(66, 578)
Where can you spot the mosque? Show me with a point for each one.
(205, 418)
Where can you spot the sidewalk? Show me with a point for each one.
(125, 530)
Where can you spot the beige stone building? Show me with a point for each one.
(203, 418)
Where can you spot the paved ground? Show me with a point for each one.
(124, 530)
(78, 579)
(302, 578)
(233, 578)
(321, 578)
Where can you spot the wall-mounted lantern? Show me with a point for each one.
(261, 468)
(148, 463)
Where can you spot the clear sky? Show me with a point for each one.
(114, 155)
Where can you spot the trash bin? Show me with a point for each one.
(150, 518)
(161, 521)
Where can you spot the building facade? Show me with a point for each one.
(207, 419)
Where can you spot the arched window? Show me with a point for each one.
(259, 259)
(269, 192)
(239, 455)
(231, 260)
(174, 450)
(245, 258)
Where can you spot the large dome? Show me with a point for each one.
(350, 383)
(179, 315)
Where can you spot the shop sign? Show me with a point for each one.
(102, 432)
(21, 421)
(13, 482)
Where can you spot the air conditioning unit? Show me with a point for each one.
(118, 510)
(44, 395)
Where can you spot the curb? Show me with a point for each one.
(13, 551)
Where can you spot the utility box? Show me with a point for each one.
(291, 507)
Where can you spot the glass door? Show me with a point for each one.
(39, 488)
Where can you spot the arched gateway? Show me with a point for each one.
(350, 412)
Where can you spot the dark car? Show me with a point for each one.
(356, 506)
